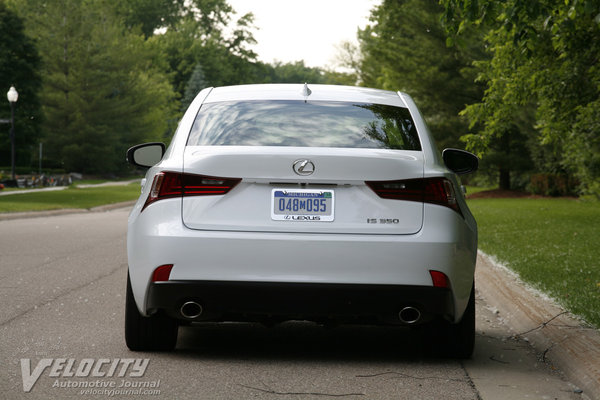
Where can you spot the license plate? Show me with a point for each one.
(311, 205)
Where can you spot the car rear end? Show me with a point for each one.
(285, 202)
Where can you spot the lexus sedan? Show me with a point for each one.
(301, 202)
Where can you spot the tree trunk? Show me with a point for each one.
(504, 181)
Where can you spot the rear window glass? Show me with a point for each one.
(304, 124)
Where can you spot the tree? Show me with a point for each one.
(545, 56)
(149, 15)
(19, 66)
(407, 47)
(153, 15)
(194, 86)
(101, 91)
(404, 48)
(198, 37)
(295, 72)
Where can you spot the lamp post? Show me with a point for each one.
(12, 97)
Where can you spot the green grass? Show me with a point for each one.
(71, 197)
(553, 244)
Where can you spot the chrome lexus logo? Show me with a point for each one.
(304, 167)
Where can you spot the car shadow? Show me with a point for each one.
(302, 341)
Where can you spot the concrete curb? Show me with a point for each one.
(558, 336)
(63, 211)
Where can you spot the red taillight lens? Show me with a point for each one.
(440, 280)
(173, 184)
(162, 273)
(410, 189)
(200, 185)
(428, 190)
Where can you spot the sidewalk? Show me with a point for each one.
(63, 211)
(557, 336)
(48, 189)
(53, 188)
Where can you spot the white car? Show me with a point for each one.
(301, 202)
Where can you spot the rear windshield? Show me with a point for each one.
(304, 124)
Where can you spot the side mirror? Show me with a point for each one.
(146, 155)
(459, 161)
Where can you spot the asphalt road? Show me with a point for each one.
(62, 285)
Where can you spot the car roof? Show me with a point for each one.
(296, 92)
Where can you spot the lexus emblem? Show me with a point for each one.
(304, 167)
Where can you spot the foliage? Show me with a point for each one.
(19, 66)
(407, 47)
(194, 86)
(404, 48)
(149, 15)
(153, 15)
(193, 40)
(544, 57)
(550, 243)
(101, 91)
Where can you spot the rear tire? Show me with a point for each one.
(456, 340)
(154, 333)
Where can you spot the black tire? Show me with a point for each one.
(155, 333)
(461, 336)
(456, 340)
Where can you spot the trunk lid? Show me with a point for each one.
(271, 189)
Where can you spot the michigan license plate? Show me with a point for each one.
(310, 205)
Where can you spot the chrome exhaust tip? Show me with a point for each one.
(191, 310)
(409, 315)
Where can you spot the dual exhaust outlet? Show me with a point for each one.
(192, 310)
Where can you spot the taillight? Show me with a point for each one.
(428, 190)
(174, 184)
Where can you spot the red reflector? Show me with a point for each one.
(162, 273)
(440, 280)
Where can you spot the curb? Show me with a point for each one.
(63, 211)
(557, 335)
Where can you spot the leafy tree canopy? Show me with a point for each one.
(404, 48)
(101, 91)
(545, 57)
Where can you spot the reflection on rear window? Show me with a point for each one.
(305, 124)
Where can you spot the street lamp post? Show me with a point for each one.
(12, 97)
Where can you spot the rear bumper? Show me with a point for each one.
(269, 301)
(158, 237)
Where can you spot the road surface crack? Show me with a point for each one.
(271, 391)
(403, 375)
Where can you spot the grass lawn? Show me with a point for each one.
(553, 244)
(71, 197)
